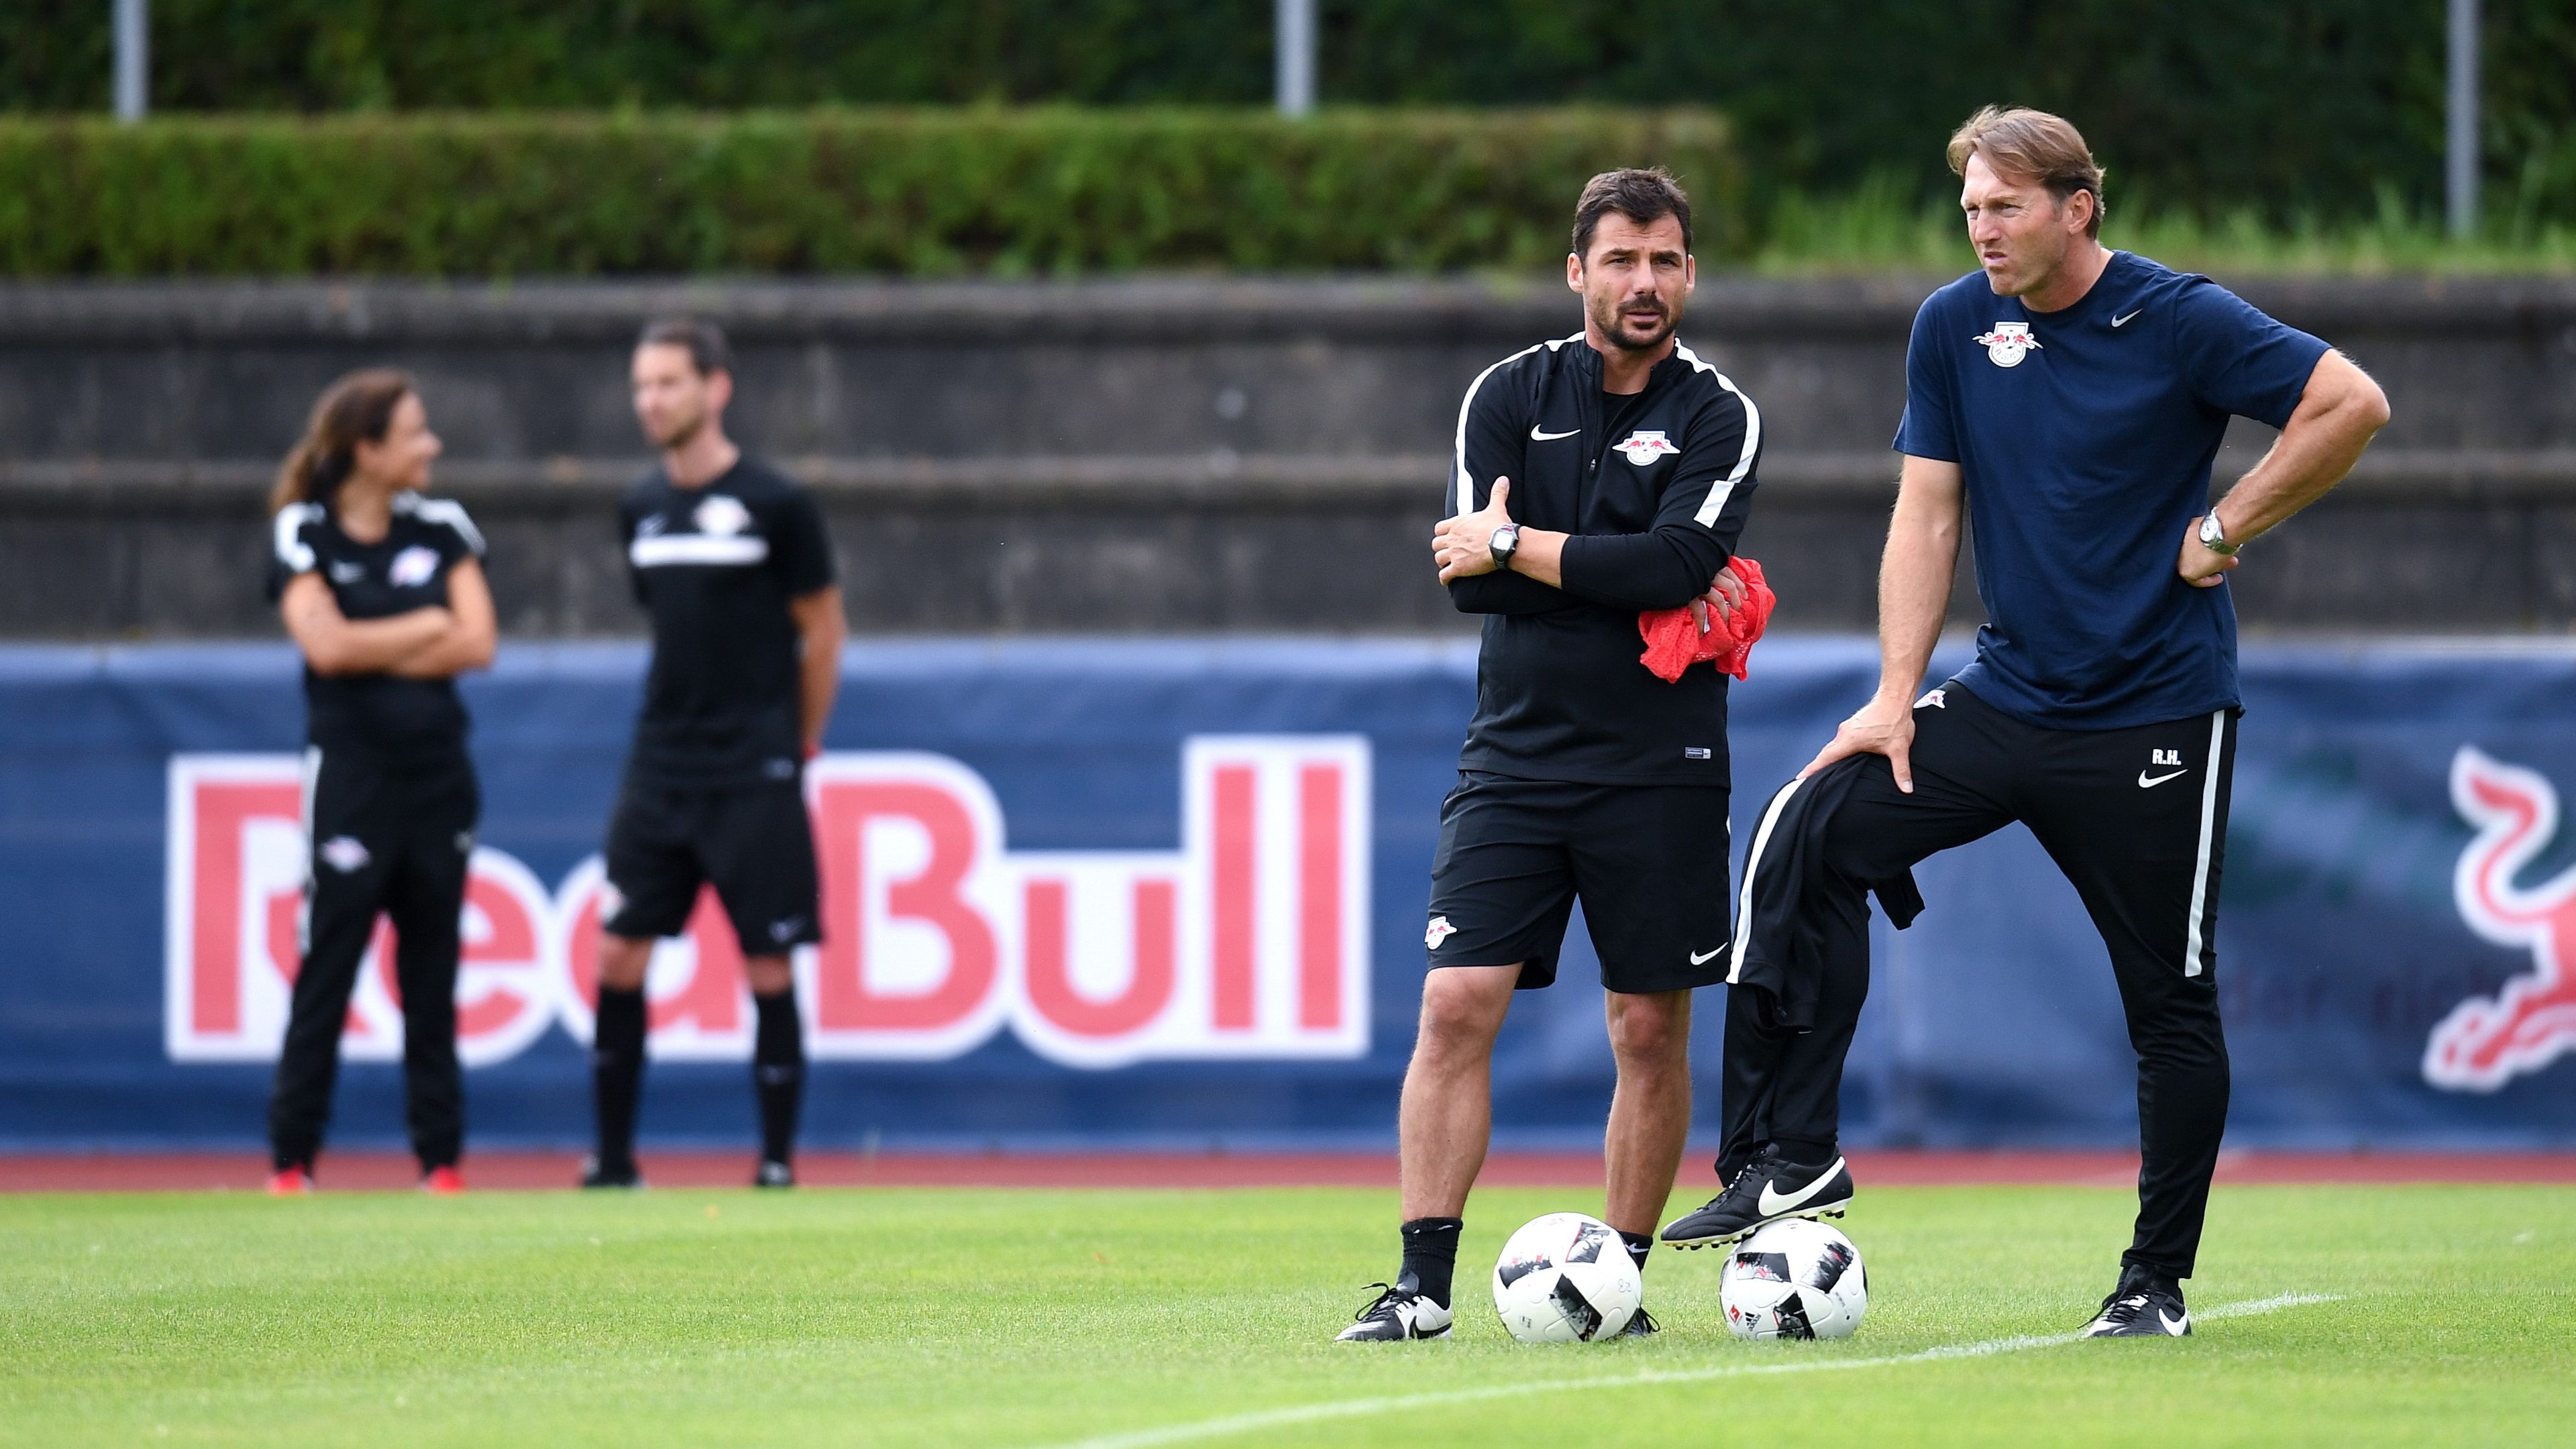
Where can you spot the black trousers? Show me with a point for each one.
(390, 840)
(2136, 818)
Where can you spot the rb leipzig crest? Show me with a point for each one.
(2008, 343)
(1643, 446)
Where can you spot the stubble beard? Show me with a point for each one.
(1613, 325)
(680, 434)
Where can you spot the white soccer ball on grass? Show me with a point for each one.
(1566, 1278)
(1795, 1278)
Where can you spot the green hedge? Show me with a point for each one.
(925, 193)
(2290, 108)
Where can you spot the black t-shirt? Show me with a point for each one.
(399, 721)
(716, 566)
(1619, 412)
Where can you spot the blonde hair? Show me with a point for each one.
(2036, 146)
(358, 407)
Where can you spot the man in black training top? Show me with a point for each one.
(732, 561)
(2069, 399)
(1596, 476)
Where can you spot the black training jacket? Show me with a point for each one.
(1655, 488)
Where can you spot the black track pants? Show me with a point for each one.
(394, 841)
(2136, 818)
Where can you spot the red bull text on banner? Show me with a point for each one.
(1248, 942)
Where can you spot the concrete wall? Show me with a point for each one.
(1152, 455)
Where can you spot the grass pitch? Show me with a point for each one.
(1026, 1318)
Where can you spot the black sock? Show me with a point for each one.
(1430, 1257)
(2137, 1277)
(778, 1073)
(1806, 1151)
(617, 1072)
(1640, 1246)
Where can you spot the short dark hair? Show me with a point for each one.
(709, 353)
(1644, 195)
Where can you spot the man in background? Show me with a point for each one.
(731, 560)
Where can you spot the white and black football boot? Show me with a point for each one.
(1640, 1324)
(774, 1173)
(1397, 1314)
(1766, 1190)
(2147, 1304)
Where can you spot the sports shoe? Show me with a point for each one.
(1396, 1315)
(1640, 1324)
(2147, 1304)
(774, 1173)
(595, 1173)
(292, 1181)
(443, 1181)
(1766, 1190)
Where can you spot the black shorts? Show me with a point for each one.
(754, 843)
(1647, 861)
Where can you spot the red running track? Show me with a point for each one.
(519, 1171)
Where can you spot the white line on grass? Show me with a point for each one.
(1355, 1408)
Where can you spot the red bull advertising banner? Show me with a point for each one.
(1247, 942)
(1171, 893)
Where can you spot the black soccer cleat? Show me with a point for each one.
(2147, 1304)
(595, 1173)
(1640, 1324)
(774, 1173)
(1396, 1316)
(1766, 1190)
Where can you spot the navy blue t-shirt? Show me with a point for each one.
(2085, 438)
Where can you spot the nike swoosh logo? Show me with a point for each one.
(2125, 321)
(1702, 959)
(1772, 1202)
(2145, 783)
(2176, 1327)
(1539, 435)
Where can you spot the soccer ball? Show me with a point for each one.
(1566, 1278)
(1796, 1278)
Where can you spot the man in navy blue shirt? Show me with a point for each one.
(2071, 399)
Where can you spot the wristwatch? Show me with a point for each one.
(1506, 542)
(2213, 537)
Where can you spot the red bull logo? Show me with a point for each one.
(1643, 446)
(2008, 344)
(1249, 940)
(2487, 1041)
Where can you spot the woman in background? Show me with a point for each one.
(383, 591)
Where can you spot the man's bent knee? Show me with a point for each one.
(1463, 1007)
(1650, 1026)
(768, 975)
(623, 961)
